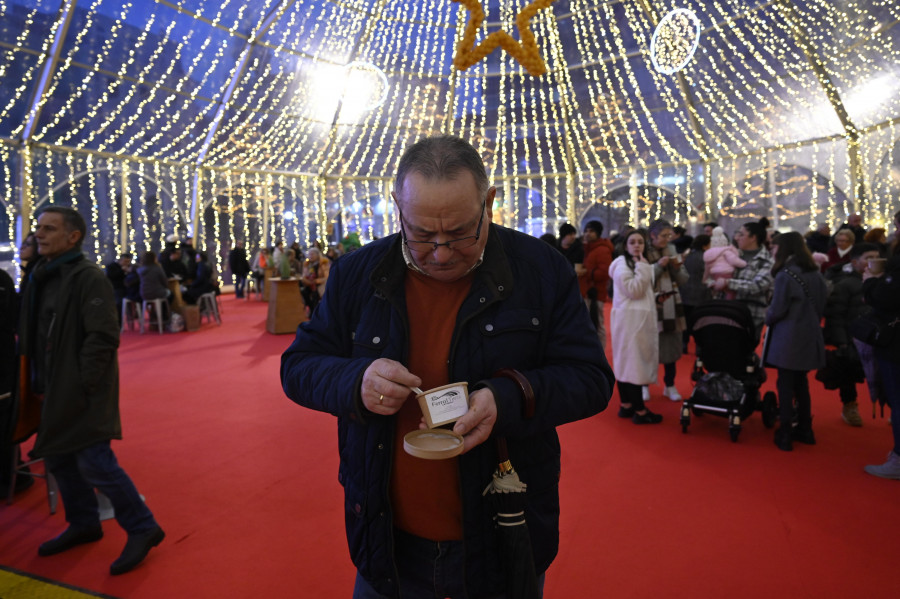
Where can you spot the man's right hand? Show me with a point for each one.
(386, 386)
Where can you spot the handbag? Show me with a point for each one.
(874, 330)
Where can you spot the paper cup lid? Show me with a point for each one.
(433, 444)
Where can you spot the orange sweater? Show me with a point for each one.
(425, 494)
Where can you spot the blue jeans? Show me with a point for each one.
(78, 473)
(428, 569)
(239, 282)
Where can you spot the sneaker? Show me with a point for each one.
(672, 393)
(647, 417)
(645, 393)
(850, 414)
(890, 469)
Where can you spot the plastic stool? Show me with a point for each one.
(252, 288)
(209, 307)
(157, 305)
(130, 313)
(23, 469)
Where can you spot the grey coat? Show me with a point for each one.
(794, 321)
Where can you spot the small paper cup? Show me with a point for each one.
(444, 405)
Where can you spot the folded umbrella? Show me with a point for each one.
(507, 494)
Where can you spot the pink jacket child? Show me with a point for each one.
(721, 259)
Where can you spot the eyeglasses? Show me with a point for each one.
(424, 247)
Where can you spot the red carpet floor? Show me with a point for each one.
(245, 484)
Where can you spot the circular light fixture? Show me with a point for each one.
(366, 85)
(675, 40)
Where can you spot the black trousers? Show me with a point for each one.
(631, 394)
(793, 386)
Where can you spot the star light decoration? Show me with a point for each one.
(525, 52)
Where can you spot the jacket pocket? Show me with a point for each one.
(370, 339)
(512, 336)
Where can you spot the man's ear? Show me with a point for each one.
(489, 202)
(74, 237)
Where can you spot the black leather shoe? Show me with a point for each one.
(647, 417)
(803, 436)
(626, 412)
(71, 537)
(136, 549)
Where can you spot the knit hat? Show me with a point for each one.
(718, 239)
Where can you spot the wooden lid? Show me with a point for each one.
(433, 444)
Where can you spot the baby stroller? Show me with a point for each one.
(727, 373)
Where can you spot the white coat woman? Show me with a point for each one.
(635, 339)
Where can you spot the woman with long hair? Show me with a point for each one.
(669, 274)
(635, 341)
(794, 343)
(154, 283)
(28, 258)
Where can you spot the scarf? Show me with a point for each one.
(670, 312)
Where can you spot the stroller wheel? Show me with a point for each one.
(769, 409)
(734, 427)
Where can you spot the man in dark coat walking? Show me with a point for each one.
(69, 334)
(239, 266)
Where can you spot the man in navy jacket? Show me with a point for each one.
(450, 298)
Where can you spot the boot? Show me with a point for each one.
(850, 414)
(783, 438)
(890, 469)
(136, 549)
(803, 435)
(70, 537)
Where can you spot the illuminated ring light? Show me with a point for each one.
(675, 40)
(366, 76)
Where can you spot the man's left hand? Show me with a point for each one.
(476, 425)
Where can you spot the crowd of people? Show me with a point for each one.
(807, 291)
(310, 268)
(454, 297)
(150, 279)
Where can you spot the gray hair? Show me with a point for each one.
(442, 157)
(72, 220)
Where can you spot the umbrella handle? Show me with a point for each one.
(524, 385)
(527, 412)
(505, 466)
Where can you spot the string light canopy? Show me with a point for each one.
(222, 119)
